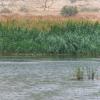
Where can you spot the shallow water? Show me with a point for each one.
(47, 80)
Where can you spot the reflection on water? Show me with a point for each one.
(46, 80)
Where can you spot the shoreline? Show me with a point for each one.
(82, 55)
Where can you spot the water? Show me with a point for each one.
(46, 80)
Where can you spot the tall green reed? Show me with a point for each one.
(50, 37)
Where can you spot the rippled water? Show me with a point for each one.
(46, 80)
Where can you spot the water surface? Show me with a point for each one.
(46, 79)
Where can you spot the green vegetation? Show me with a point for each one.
(91, 73)
(43, 36)
(79, 74)
(5, 10)
(88, 73)
(73, 1)
(69, 11)
(23, 9)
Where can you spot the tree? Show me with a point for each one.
(46, 4)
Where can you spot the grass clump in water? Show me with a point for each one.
(79, 74)
(91, 73)
(85, 74)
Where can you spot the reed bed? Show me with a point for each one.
(85, 73)
(48, 36)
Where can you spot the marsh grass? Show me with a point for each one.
(87, 73)
(48, 36)
(91, 73)
(79, 73)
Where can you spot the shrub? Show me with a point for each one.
(69, 11)
(73, 1)
(5, 10)
(23, 9)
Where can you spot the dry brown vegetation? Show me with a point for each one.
(87, 16)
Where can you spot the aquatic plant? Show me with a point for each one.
(85, 73)
(91, 72)
(49, 36)
(79, 74)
